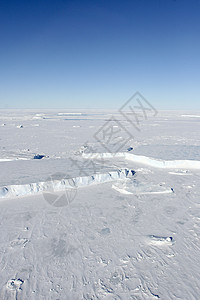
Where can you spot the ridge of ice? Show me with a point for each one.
(156, 163)
(60, 185)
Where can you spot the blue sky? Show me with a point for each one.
(96, 54)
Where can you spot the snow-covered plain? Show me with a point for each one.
(85, 216)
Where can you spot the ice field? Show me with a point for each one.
(94, 207)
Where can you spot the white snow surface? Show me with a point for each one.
(94, 218)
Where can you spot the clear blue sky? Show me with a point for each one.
(96, 54)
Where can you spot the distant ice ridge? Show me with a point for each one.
(11, 159)
(191, 116)
(61, 185)
(156, 163)
(71, 114)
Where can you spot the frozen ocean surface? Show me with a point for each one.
(76, 226)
